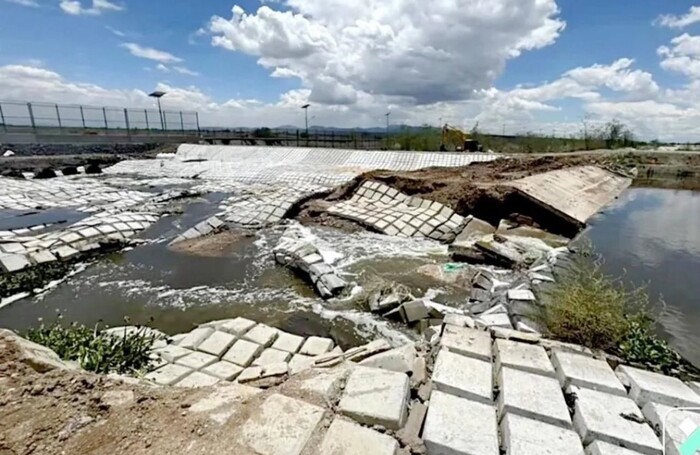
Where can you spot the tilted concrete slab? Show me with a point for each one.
(583, 371)
(523, 436)
(522, 356)
(576, 193)
(463, 377)
(468, 342)
(648, 387)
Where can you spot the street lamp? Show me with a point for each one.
(158, 95)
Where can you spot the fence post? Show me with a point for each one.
(148, 128)
(2, 119)
(165, 121)
(104, 114)
(182, 123)
(82, 116)
(58, 117)
(196, 116)
(31, 115)
(126, 118)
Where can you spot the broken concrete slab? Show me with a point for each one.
(464, 377)
(523, 436)
(456, 426)
(400, 359)
(197, 379)
(507, 228)
(583, 371)
(532, 396)
(376, 397)
(648, 387)
(362, 352)
(194, 338)
(575, 193)
(474, 230)
(349, 438)
(281, 426)
(524, 357)
(300, 363)
(410, 433)
(494, 320)
(459, 320)
(469, 342)
(327, 384)
(614, 419)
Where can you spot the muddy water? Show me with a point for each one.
(174, 291)
(652, 237)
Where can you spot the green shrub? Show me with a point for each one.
(96, 350)
(641, 345)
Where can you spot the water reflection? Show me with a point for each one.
(652, 236)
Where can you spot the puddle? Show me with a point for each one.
(652, 236)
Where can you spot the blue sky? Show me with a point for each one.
(501, 63)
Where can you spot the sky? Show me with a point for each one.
(513, 66)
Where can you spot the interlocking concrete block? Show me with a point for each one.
(464, 377)
(326, 384)
(168, 374)
(300, 363)
(523, 436)
(603, 448)
(455, 426)
(238, 326)
(376, 397)
(468, 342)
(522, 356)
(197, 360)
(583, 371)
(197, 379)
(243, 352)
(348, 438)
(675, 424)
(250, 374)
(281, 426)
(262, 334)
(533, 396)
(193, 339)
(172, 353)
(217, 343)
(316, 346)
(648, 387)
(42, 257)
(226, 371)
(288, 342)
(10, 263)
(614, 419)
(271, 356)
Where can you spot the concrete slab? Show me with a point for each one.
(524, 357)
(197, 379)
(217, 343)
(281, 426)
(400, 359)
(648, 387)
(533, 396)
(288, 342)
(242, 353)
(168, 374)
(583, 371)
(238, 326)
(262, 334)
(603, 448)
(455, 426)
(523, 436)
(677, 425)
(463, 377)
(10, 263)
(193, 339)
(327, 384)
(316, 346)
(376, 397)
(348, 438)
(197, 360)
(469, 342)
(577, 193)
(271, 356)
(614, 419)
(226, 371)
(172, 353)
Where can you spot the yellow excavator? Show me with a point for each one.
(454, 139)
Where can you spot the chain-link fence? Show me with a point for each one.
(44, 115)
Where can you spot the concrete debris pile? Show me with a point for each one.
(295, 251)
(209, 226)
(386, 210)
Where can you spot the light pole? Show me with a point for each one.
(158, 95)
(306, 118)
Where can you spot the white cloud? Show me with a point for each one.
(683, 56)
(163, 68)
(29, 3)
(673, 21)
(115, 32)
(76, 8)
(344, 50)
(186, 71)
(150, 53)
